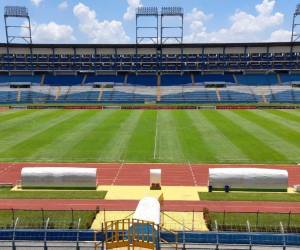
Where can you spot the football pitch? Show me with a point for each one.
(206, 136)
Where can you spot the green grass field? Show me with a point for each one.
(209, 136)
(36, 219)
(240, 196)
(262, 219)
(6, 193)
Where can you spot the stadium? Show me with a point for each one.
(151, 145)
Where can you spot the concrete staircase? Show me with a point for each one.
(100, 94)
(218, 94)
(42, 80)
(84, 79)
(57, 94)
(158, 90)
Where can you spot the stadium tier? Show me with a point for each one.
(140, 94)
(187, 73)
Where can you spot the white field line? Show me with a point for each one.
(118, 173)
(3, 171)
(7, 168)
(193, 174)
(155, 139)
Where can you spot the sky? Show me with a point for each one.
(113, 21)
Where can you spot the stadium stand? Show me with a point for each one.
(142, 94)
(198, 73)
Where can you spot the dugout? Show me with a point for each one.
(59, 177)
(248, 179)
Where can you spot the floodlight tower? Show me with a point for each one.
(295, 35)
(171, 12)
(147, 12)
(17, 12)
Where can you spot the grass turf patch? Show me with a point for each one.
(6, 193)
(256, 219)
(209, 136)
(57, 219)
(247, 196)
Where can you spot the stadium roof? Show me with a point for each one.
(185, 45)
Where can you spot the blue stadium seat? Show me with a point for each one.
(146, 80)
(28, 96)
(282, 97)
(228, 78)
(173, 80)
(8, 97)
(105, 79)
(6, 80)
(229, 96)
(63, 80)
(288, 78)
(81, 97)
(257, 79)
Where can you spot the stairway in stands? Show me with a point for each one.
(100, 94)
(42, 79)
(218, 94)
(279, 79)
(158, 90)
(19, 96)
(264, 99)
(57, 94)
(84, 79)
(235, 79)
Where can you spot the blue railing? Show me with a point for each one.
(182, 237)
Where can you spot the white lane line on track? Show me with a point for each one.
(7, 168)
(193, 174)
(117, 174)
(155, 139)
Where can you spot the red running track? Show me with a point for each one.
(138, 174)
(129, 205)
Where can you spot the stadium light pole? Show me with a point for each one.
(295, 35)
(17, 12)
(171, 12)
(151, 12)
(177, 34)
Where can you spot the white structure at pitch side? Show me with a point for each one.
(248, 178)
(148, 209)
(58, 177)
(155, 177)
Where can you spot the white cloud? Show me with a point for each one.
(131, 9)
(244, 27)
(52, 33)
(99, 31)
(196, 20)
(63, 5)
(280, 36)
(36, 2)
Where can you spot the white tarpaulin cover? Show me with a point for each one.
(297, 188)
(155, 176)
(248, 178)
(59, 177)
(148, 209)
